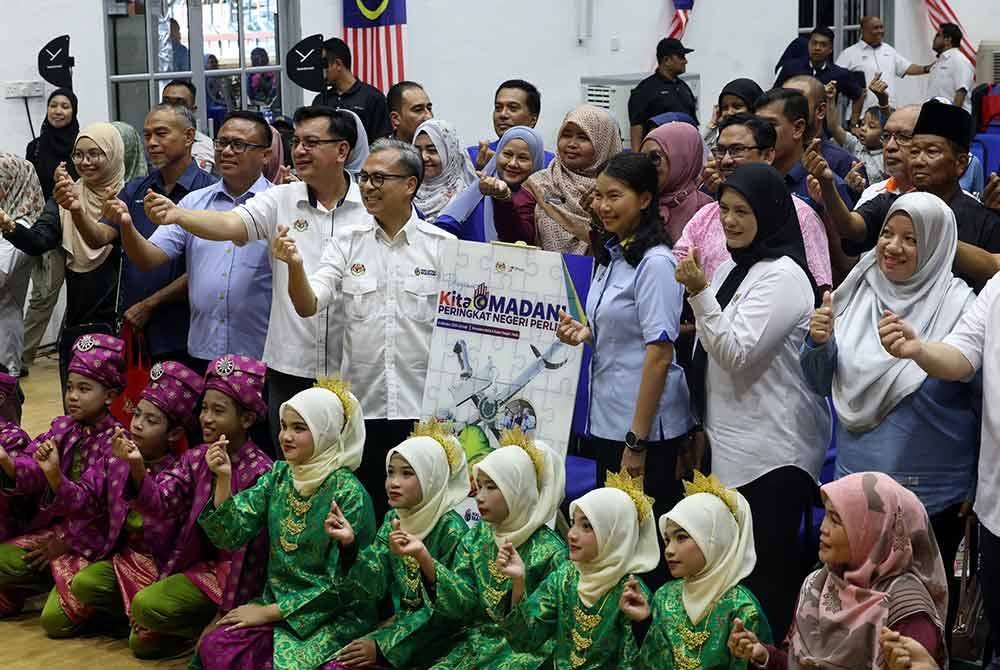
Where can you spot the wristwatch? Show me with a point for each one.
(633, 442)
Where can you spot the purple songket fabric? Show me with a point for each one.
(101, 358)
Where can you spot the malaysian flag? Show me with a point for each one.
(939, 11)
(682, 12)
(375, 30)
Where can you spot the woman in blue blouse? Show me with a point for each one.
(469, 216)
(639, 405)
(893, 418)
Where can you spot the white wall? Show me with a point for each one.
(26, 27)
(461, 50)
(981, 19)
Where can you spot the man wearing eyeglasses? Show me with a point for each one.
(229, 286)
(744, 138)
(323, 205)
(388, 271)
(937, 155)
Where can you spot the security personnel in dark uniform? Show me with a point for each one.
(663, 91)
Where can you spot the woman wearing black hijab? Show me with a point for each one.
(53, 146)
(766, 430)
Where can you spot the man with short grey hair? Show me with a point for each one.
(388, 270)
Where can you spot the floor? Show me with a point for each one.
(25, 645)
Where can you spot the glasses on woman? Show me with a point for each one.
(238, 146)
(313, 143)
(902, 139)
(94, 156)
(735, 151)
(378, 178)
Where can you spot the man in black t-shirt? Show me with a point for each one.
(346, 91)
(663, 91)
(938, 155)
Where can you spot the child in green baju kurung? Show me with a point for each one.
(426, 477)
(709, 550)
(518, 490)
(301, 620)
(613, 535)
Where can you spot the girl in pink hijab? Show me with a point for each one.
(677, 150)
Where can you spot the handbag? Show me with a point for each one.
(971, 629)
(137, 367)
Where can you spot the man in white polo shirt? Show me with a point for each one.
(951, 74)
(313, 210)
(973, 345)
(388, 269)
(873, 56)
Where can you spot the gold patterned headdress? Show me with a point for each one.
(438, 432)
(632, 486)
(340, 388)
(516, 437)
(712, 486)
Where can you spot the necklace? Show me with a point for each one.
(496, 588)
(292, 526)
(584, 625)
(411, 596)
(688, 657)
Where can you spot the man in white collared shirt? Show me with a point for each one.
(952, 74)
(387, 268)
(321, 206)
(873, 56)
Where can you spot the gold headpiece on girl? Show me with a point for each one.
(712, 486)
(437, 432)
(632, 486)
(340, 388)
(516, 437)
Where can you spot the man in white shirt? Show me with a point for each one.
(388, 269)
(973, 345)
(872, 56)
(951, 74)
(325, 204)
(183, 93)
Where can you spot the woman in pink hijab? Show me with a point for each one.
(677, 150)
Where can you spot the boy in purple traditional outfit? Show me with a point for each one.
(133, 549)
(96, 377)
(199, 583)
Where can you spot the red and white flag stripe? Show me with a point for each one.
(678, 23)
(940, 11)
(378, 54)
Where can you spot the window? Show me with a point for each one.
(841, 16)
(232, 50)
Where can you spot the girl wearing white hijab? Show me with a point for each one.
(710, 550)
(613, 536)
(518, 490)
(893, 418)
(426, 477)
(448, 170)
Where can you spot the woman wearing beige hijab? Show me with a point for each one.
(91, 274)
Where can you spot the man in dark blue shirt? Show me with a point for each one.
(839, 159)
(819, 63)
(156, 302)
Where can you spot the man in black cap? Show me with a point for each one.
(938, 155)
(346, 91)
(663, 91)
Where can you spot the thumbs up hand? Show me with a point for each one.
(821, 321)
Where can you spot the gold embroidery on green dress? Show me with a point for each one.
(583, 627)
(291, 527)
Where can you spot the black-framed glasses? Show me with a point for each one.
(238, 146)
(735, 151)
(902, 139)
(378, 178)
(312, 143)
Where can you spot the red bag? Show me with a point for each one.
(137, 367)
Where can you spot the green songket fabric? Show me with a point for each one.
(472, 589)
(674, 643)
(586, 638)
(416, 634)
(303, 562)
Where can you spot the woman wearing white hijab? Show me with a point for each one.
(300, 620)
(426, 477)
(893, 418)
(359, 154)
(448, 170)
(613, 536)
(710, 550)
(518, 490)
